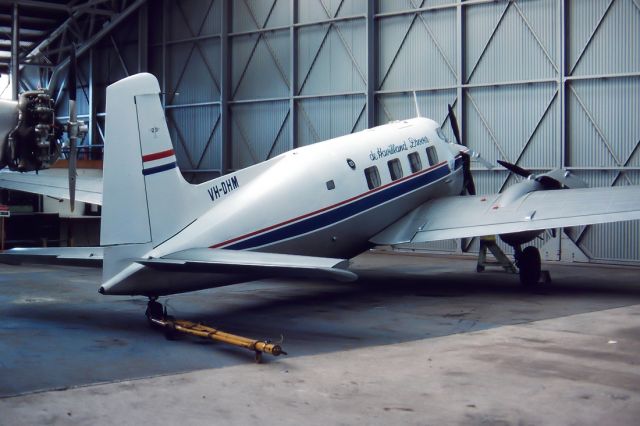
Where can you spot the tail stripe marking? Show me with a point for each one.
(158, 169)
(157, 155)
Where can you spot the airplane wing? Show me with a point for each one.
(472, 216)
(251, 263)
(55, 183)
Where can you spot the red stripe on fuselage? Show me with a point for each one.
(157, 155)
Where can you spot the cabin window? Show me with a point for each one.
(331, 185)
(432, 155)
(414, 161)
(373, 177)
(395, 169)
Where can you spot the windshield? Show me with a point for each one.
(441, 135)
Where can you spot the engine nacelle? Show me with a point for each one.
(513, 194)
(516, 239)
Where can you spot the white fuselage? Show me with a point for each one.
(314, 200)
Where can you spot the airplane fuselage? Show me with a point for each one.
(324, 200)
(330, 208)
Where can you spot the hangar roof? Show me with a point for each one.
(47, 29)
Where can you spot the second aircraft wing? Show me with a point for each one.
(55, 183)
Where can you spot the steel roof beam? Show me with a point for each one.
(15, 62)
(90, 42)
(25, 37)
(27, 22)
(40, 4)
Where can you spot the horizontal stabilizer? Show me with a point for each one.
(67, 256)
(205, 260)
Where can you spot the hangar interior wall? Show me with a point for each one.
(540, 83)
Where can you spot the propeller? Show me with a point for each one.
(454, 125)
(73, 127)
(555, 179)
(468, 184)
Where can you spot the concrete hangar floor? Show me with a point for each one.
(417, 340)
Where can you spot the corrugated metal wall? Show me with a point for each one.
(540, 83)
(545, 84)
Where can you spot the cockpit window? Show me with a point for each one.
(441, 135)
(373, 177)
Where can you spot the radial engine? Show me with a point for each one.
(29, 134)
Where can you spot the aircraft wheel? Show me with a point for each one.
(529, 266)
(154, 310)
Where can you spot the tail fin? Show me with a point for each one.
(144, 193)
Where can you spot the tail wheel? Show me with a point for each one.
(529, 265)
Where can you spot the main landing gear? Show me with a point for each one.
(529, 265)
(157, 317)
(527, 261)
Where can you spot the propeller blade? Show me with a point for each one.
(469, 185)
(515, 169)
(71, 76)
(73, 153)
(454, 124)
(72, 127)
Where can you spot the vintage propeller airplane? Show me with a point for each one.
(304, 212)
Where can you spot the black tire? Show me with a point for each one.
(479, 268)
(530, 266)
(154, 310)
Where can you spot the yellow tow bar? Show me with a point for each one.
(206, 332)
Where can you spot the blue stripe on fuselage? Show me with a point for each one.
(342, 212)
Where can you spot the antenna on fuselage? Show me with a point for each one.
(415, 101)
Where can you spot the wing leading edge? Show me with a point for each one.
(473, 216)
